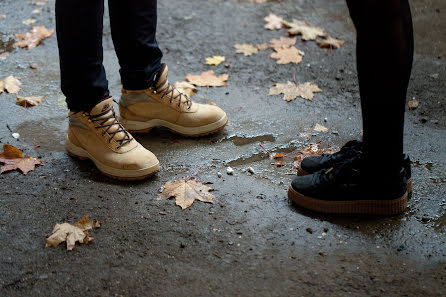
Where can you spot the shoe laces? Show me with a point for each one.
(103, 121)
(169, 90)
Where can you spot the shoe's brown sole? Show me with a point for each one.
(370, 207)
(184, 135)
(302, 172)
(114, 176)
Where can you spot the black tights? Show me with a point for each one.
(384, 53)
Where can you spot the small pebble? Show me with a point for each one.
(425, 219)
(16, 135)
(33, 66)
(250, 170)
(219, 174)
(229, 171)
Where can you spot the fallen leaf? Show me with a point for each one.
(279, 163)
(287, 55)
(186, 192)
(320, 128)
(37, 10)
(307, 31)
(283, 42)
(10, 84)
(246, 49)
(211, 102)
(29, 21)
(186, 88)
(33, 37)
(277, 155)
(330, 42)
(273, 22)
(263, 46)
(3, 56)
(208, 79)
(29, 101)
(311, 150)
(13, 159)
(39, 2)
(258, 1)
(291, 91)
(215, 60)
(72, 234)
(2, 16)
(413, 104)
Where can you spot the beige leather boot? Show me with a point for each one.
(97, 135)
(163, 105)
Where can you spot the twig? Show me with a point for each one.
(189, 177)
(294, 76)
(9, 128)
(269, 153)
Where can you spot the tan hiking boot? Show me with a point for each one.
(97, 135)
(163, 105)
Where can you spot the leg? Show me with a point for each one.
(79, 37)
(384, 62)
(133, 25)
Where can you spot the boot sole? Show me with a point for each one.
(145, 127)
(121, 174)
(370, 207)
(302, 172)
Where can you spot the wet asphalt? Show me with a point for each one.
(251, 241)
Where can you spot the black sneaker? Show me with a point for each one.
(351, 149)
(313, 164)
(341, 189)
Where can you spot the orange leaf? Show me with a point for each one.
(311, 150)
(34, 37)
(287, 55)
(208, 79)
(13, 159)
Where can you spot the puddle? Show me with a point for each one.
(49, 133)
(240, 140)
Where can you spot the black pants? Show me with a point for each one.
(384, 53)
(79, 25)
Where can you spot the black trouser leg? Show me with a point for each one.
(133, 24)
(384, 61)
(79, 35)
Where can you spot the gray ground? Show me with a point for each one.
(252, 241)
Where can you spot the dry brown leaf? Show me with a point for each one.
(413, 104)
(39, 2)
(3, 56)
(37, 10)
(311, 150)
(215, 60)
(29, 21)
(277, 155)
(307, 31)
(2, 16)
(246, 49)
(283, 42)
(13, 159)
(330, 42)
(262, 46)
(33, 37)
(287, 55)
(72, 234)
(258, 1)
(186, 88)
(186, 192)
(29, 101)
(10, 84)
(208, 79)
(291, 91)
(273, 22)
(320, 128)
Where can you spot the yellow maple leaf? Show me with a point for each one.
(29, 101)
(320, 128)
(283, 42)
(29, 21)
(287, 55)
(330, 42)
(246, 49)
(33, 37)
(273, 22)
(186, 192)
(291, 91)
(208, 79)
(307, 31)
(215, 60)
(10, 84)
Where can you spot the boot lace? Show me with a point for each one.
(169, 90)
(102, 119)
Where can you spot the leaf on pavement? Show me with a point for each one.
(208, 79)
(287, 55)
(215, 60)
(29, 21)
(413, 104)
(307, 31)
(13, 159)
(258, 1)
(262, 46)
(311, 150)
(320, 128)
(70, 234)
(330, 42)
(273, 22)
(246, 49)
(10, 84)
(34, 37)
(186, 88)
(291, 91)
(3, 56)
(29, 101)
(282, 42)
(186, 192)
(2, 16)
